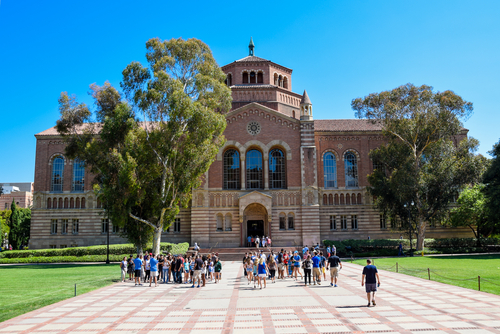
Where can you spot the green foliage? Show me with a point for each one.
(388, 247)
(138, 234)
(19, 226)
(146, 170)
(423, 162)
(81, 252)
(492, 187)
(4, 223)
(471, 211)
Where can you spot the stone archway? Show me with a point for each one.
(257, 206)
(255, 222)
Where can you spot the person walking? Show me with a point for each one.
(316, 268)
(272, 268)
(263, 272)
(335, 265)
(123, 267)
(165, 269)
(147, 267)
(138, 266)
(264, 241)
(130, 267)
(296, 265)
(257, 242)
(186, 270)
(249, 270)
(369, 279)
(323, 265)
(307, 266)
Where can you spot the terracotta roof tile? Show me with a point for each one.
(341, 125)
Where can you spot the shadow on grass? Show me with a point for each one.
(54, 266)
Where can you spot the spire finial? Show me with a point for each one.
(251, 46)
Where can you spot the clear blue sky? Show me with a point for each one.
(339, 50)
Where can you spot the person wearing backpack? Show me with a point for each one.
(218, 269)
(307, 265)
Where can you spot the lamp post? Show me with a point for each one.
(410, 205)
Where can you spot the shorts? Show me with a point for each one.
(370, 287)
(316, 271)
(262, 275)
(334, 271)
(138, 273)
(296, 265)
(154, 273)
(281, 266)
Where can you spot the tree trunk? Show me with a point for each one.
(140, 250)
(420, 234)
(157, 240)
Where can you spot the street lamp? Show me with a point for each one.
(410, 205)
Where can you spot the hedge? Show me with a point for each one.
(58, 259)
(388, 247)
(89, 251)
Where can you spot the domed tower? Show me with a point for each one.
(306, 108)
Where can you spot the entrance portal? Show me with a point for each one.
(255, 228)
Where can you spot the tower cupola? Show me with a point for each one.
(251, 48)
(305, 108)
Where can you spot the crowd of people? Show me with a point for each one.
(192, 269)
(259, 267)
(258, 242)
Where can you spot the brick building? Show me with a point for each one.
(20, 192)
(281, 173)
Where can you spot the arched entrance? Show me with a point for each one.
(255, 222)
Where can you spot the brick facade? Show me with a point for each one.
(281, 119)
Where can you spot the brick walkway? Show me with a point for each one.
(404, 305)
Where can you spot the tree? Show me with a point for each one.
(492, 186)
(425, 164)
(146, 169)
(19, 226)
(471, 211)
(137, 233)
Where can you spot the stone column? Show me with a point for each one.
(243, 173)
(266, 172)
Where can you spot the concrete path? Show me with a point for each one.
(404, 305)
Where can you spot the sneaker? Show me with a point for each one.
(331, 284)
(192, 286)
(319, 283)
(373, 302)
(314, 283)
(198, 286)
(368, 304)
(335, 285)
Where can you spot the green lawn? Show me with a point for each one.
(455, 270)
(27, 288)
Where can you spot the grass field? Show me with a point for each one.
(29, 287)
(455, 270)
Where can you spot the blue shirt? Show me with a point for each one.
(137, 263)
(316, 261)
(297, 261)
(304, 250)
(153, 263)
(249, 239)
(369, 271)
(262, 268)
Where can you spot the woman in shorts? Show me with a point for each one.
(255, 271)
(123, 266)
(130, 267)
(249, 268)
(147, 267)
(166, 268)
(186, 270)
(262, 271)
(296, 265)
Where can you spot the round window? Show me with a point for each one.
(253, 128)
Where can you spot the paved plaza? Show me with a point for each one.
(404, 305)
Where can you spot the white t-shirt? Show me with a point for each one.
(148, 265)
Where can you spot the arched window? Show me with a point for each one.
(359, 199)
(229, 80)
(351, 170)
(260, 77)
(353, 199)
(330, 170)
(293, 113)
(348, 199)
(66, 203)
(227, 223)
(245, 77)
(280, 81)
(49, 203)
(60, 206)
(254, 169)
(253, 77)
(220, 217)
(282, 221)
(54, 203)
(232, 169)
(57, 175)
(341, 199)
(325, 200)
(83, 203)
(330, 199)
(336, 199)
(291, 221)
(277, 169)
(78, 175)
(285, 83)
(77, 203)
(275, 79)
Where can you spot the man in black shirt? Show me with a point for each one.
(281, 266)
(245, 258)
(334, 264)
(371, 274)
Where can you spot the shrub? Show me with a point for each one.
(91, 250)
